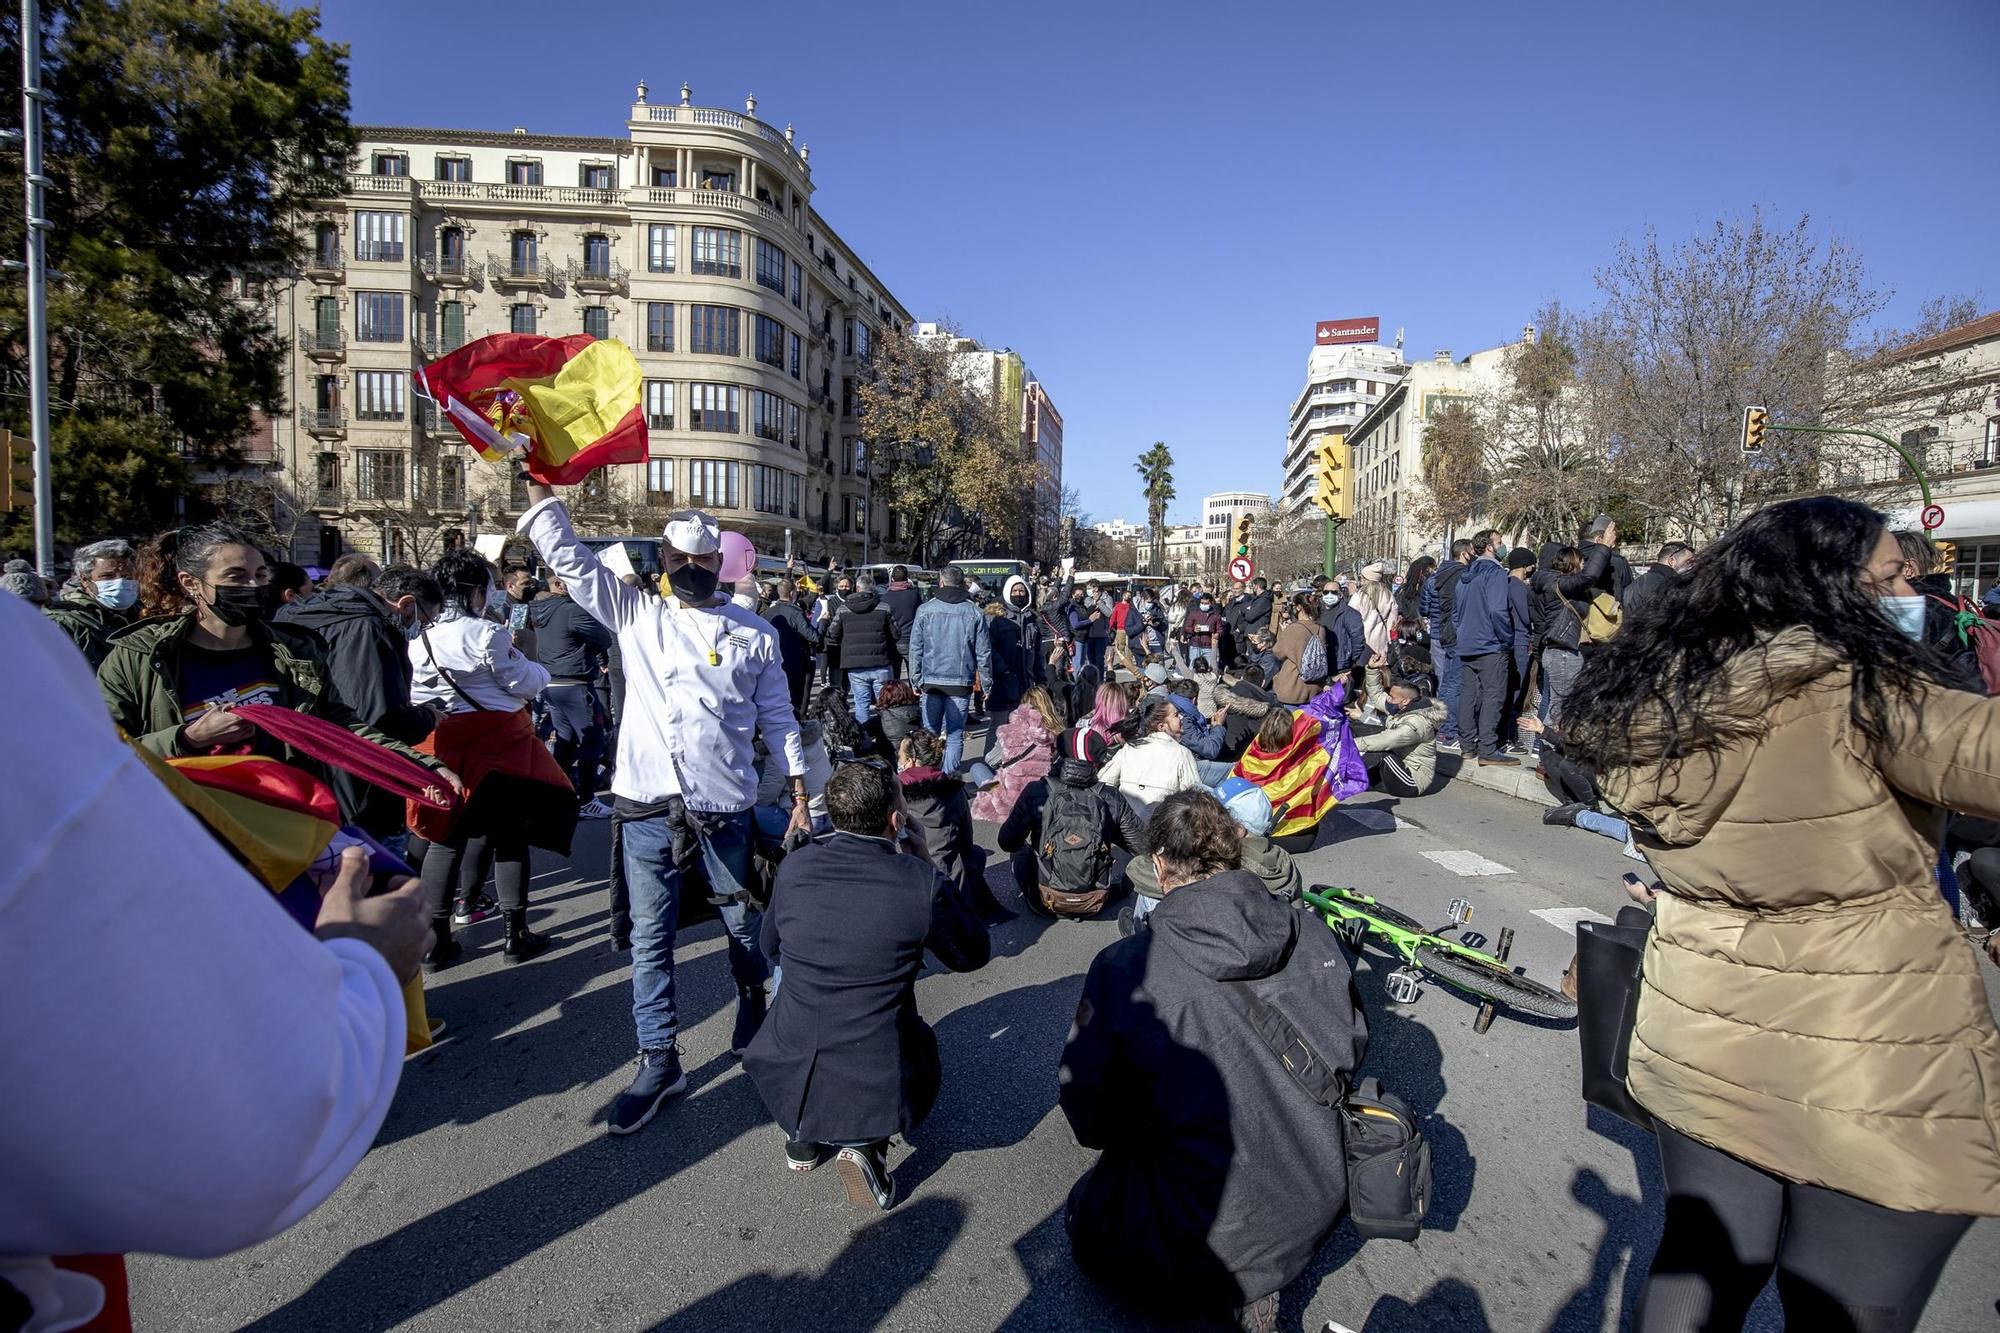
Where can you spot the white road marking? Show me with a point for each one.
(1467, 863)
(1565, 918)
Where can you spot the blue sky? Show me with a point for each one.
(1153, 203)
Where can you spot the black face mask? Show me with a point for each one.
(1019, 600)
(692, 583)
(239, 604)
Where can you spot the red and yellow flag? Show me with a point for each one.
(1298, 778)
(573, 403)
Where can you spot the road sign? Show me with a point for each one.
(1933, 517)
(1241, 569)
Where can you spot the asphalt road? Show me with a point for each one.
(495, 1200)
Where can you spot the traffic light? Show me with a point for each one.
(1332, 491)
(1243, 534)
(1755, 419)
(17, 488)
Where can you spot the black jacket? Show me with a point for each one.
(1553, 619)
(1016, 635)
(1446, 630)
(1941, 632)
(368, 670)
(1246, 707)
(1120, 825)
(798, 641)
(938, 803)
(903, 602)
(863, 636)
(1648, 585)
(1220, 1176)
(844, 1056)
(568, 641)
(1604, 570)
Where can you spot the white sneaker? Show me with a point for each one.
(594, 810)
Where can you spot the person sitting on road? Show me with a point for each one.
(1061, 833)
(1244, 706)
(1220, 1176)
(844, 1060)
(1271, 864)
(773, 812)
(1295, 771)
(1026, 749)
(897, 711)
(1112, 705)
(1155, 765)
(939, 811)
(1202, 734)
(1397, 737)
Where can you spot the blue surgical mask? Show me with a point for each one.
(117, 594)
(1907, 614)
(415, 629)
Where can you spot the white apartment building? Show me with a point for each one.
(1219, 513)
(1118, 530)
(1182, 551)
(691, 238)
(1342, 383)
(1003, 373)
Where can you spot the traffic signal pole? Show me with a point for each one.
(1916, 468)
(37, 275)
(1332, 547)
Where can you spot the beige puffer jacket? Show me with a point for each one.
(1809, 1005)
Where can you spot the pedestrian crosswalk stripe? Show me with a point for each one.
(1467, 863)
(1565, 918)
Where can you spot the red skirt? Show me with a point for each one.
(511, 782)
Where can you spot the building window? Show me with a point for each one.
(521, 172)
(454, 168)
(713, 484)
(792, 435)
(794, 349)
(326, 478)
(379, 473)
(379, 236)
(665, 178)
(770, 342)
(798, 286)
(597, 321)
(659, 481)
(713, 178)
(1989, 448)
(714, 329)
(767, 489)
(767, 415)
(770, 267)
(792, 489)
(451, 251)
(326, 246)
(451, 483)
(522, 248)
(378, 395)
(659, 404)
(597, 256)
(594, 176)
(857, 513)
(718, 252)
(659, 326)
(847, 397)
(378, 317)
(451, 326)
(859, 450)
(392, 164)
(712, 407)
(660, 248)
(521, 318)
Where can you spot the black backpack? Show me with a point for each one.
(1075, 854)
(1388, 1158)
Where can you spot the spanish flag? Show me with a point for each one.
(574, 404)
(1298, 778)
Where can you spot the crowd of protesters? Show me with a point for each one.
(795, 752)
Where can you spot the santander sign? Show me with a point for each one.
(1328, 332)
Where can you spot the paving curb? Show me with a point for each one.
(1521, 783)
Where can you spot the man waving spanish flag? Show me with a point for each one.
(572, 404)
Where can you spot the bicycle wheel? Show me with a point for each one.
(1387, 915)
(1496, 982)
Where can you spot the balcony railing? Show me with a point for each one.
(521, 270)
(322, 344)
(326, 265)
(434, 345)
(323, 421)
(496, 193)
(715, 116)
(365, 184)
(598, 275)
(379, 252)
(448, 269)
(1870, 465)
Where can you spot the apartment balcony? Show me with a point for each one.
(323, 344)
(447, 270)
(493, 193)
(381, 252)
(522, 271)
(606, 275)
(325, 266)
(400, 186)
(325, 422)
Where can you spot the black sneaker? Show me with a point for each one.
(443, 954)
(660, 1076)
(1563, 816)
(1260, 1316)
(621, 944)
(865, 1173)
(750, 1009)
(469, 912)
(803, 1157)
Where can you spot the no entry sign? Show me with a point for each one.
(1933, 517)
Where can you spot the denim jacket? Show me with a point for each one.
(949, 643)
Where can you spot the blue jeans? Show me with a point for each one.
(1197, 655)
(1142, 906)
(1445, 658)
(579, 738)
(945, 714)
(657, 851)
(1213, 770)
(1609, 826)
(861, 687)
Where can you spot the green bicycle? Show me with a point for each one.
(1355, 916)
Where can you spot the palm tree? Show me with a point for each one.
(1156, 466)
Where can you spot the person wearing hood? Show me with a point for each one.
(1220, 1177)
(367, 635)
(1061, 833)
(950, 651)
(100, 600)
(1271, 864)
(1813, 1037)
(902, 597)
(1490, 607)
(865, 639)
(1668, 569)
(1016, 638)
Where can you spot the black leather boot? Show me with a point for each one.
(522, 943)
(444, 949)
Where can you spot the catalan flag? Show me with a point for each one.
(572, 404)
(1296, 778)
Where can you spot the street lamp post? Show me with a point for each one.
(36, 264)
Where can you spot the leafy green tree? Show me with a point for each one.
(1156, 468)
(182, 139)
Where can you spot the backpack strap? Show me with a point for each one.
(1314, 1076)
(471, 702)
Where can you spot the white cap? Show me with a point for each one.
(692, 532)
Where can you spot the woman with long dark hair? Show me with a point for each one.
(1411, 593)
(1813, 1036)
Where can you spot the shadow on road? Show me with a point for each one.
(1631, 1230)
(1450, 1304)
(858, 1291)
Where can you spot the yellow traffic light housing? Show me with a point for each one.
(1947, 557)
(17, 473)
(1333, 492)
(1243, 534)
(1755, 421)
